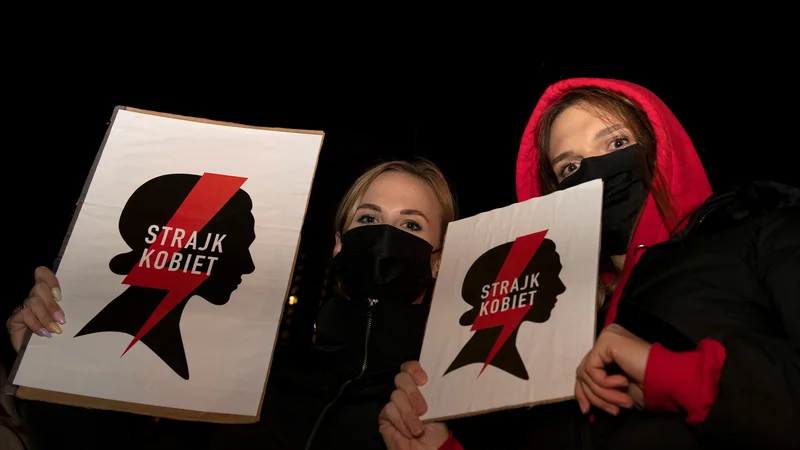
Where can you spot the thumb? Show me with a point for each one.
(636, 393)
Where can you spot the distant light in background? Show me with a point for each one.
(292, 300)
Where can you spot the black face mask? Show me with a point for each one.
(383, 262)
(624, 193)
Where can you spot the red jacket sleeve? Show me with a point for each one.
(684, 381)
(451, 443)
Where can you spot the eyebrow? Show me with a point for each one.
(405, 212)
(600, 134)
(561, 157)
(414, 212)
(608, 130)
(369, 206)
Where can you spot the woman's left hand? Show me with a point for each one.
(594, 386)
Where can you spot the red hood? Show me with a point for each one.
(676, 159)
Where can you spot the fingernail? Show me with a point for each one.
(585, 410)
(612, 411)
(59, 316)
(43, 331)
(55, 328)
(420, 378)
(418, 430)
(56, 294)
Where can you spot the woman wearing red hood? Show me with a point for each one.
(700, 344)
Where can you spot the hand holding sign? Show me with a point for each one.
(399, 422)
(39, 312)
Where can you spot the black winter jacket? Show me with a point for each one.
(732, 275)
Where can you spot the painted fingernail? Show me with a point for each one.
(43, 331)
(59, 316)
(56, 294)
(55, 328)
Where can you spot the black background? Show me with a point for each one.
(465, 115)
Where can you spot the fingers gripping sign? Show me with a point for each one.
(399, 422)
(40, 312)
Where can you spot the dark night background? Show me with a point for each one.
(467, 117)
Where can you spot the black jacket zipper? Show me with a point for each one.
(321, 417)
(703, 217)
(372, 303)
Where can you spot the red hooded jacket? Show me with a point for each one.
(685, 381)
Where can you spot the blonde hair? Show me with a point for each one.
(421, 168)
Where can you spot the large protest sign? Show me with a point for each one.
(175, 269)
(514, 307)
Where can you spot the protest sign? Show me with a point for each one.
(514, 308)
(175, 269)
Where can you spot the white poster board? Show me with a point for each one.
(175, 269)
(514, 308)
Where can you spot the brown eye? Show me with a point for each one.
(619, 143)
(568, 170)
(366, 218)
(412, 226)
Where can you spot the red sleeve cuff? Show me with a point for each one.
(684, 381)
(451, 443)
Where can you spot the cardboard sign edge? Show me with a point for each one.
(501, 408)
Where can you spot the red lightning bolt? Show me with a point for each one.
(207, 197)
(522, 250)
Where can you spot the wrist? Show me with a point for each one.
(684, 381)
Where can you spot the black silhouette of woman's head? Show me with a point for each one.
(548, 286)
(226, 236)
(536, 288)
(156, 201)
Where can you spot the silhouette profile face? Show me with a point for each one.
(509, 284)
(233, 263)
(188, 235)
(221, 248)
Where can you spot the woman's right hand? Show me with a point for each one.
(39, 312)
(399, 421)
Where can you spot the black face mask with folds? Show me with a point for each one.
(383, 262)
(624, 193)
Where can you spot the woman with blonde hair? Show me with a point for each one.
(390, 228)
(389, 231)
